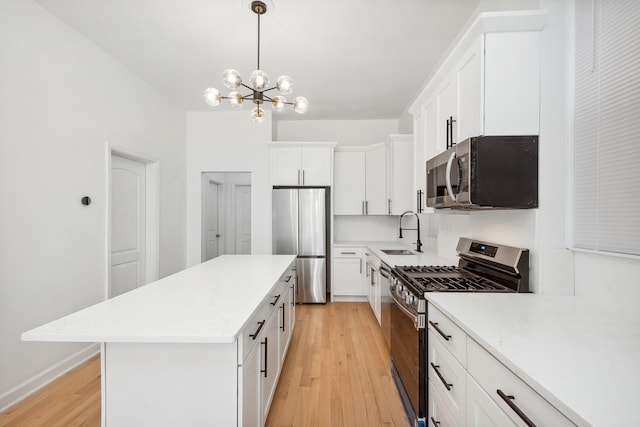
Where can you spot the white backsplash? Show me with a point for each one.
(370, 228)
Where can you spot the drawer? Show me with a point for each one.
(348, 252)
(494, 377)
(449, 377)
(439, 415)
(448, 334)
(482, 411)
(249, 335)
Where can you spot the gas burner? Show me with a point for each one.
(459, 284)
(430, 269)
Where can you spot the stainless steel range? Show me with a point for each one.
(482, 267)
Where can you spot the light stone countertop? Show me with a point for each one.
(582, 358)
(207, 303)
(428, 256)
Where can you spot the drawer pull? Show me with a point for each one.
(437, 369)
(509, 401)
(255, 334)
(434, 422)
(277, 297)
(440, 331)
(347, 253)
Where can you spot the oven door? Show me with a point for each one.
(406, 341)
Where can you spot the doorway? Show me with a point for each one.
(133, 233)
(226, 214)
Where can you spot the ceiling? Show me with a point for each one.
(352, 59)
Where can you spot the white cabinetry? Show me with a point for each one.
(467, 384)
(374, 179)
(348, 273)
(265, 342)
(293, 164)
(374, 282)
(488, 85)
(359, 181)
(400, 195)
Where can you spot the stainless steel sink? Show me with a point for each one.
(397, 252)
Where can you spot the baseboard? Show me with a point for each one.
(349, 298)
(35, 383)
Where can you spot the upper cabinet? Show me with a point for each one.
(488, 85)
(399, 158)
(374, 179)
(359, 180)
(304, 164)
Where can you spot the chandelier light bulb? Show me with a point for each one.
(301, 105)
(231, 78)
(212, 96)
(257, 115)
(235, 99)
(285, 85)
(259, 80)
(279, 102)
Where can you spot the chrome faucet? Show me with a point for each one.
(418, 242)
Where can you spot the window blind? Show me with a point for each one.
(606, 155)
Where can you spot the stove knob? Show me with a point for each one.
(400, 288)
(410, 299)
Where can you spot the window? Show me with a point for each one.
(606, 190)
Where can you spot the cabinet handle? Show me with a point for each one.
(366, 207)
(288, 278)
(363, 207)
(420, 210)
(440, 331)
(255, 334)
(509, 401)
(360, 265)
(293, 298)
(437, 369)
(266, 353)
(298, 176)
(303, 177)
(348, 253)
(447, 134)
(389, 203)
(275, 300)
(451, 122)
(434, 422)
(283, 318)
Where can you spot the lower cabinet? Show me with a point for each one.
(348, 273)
(470, 387)
(265, 343)
(374, 284)
(270, 368)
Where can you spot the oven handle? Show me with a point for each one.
(412, 316)
(448, 175)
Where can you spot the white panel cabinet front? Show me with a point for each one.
(349, 183)
(309, 166)
(375, 203)
(348, 272)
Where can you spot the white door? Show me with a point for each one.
(242, 215)
(212, 220)
(128, 224)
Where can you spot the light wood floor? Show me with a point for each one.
(336, 374)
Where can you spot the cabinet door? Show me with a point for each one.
(286, 166)
(270, 361)
(439, 416)
(419, 158)
(400, 197)
(349, 183)
(447, 108)
(376, 201)
(348, 277)
(284, 324)
(512, 83)
(316, 166)
(482, 411)
(250, 411)
(470, 100)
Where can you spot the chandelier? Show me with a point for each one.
(259, 82)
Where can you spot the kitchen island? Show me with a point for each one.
(201, 347)
(578, 361)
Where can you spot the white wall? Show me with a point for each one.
(344, 132)
(228, 142)
(61, 100)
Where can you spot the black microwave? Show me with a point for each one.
(485, 172)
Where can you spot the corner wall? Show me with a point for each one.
(63, 100)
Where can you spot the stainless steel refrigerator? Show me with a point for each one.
(300, 227)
